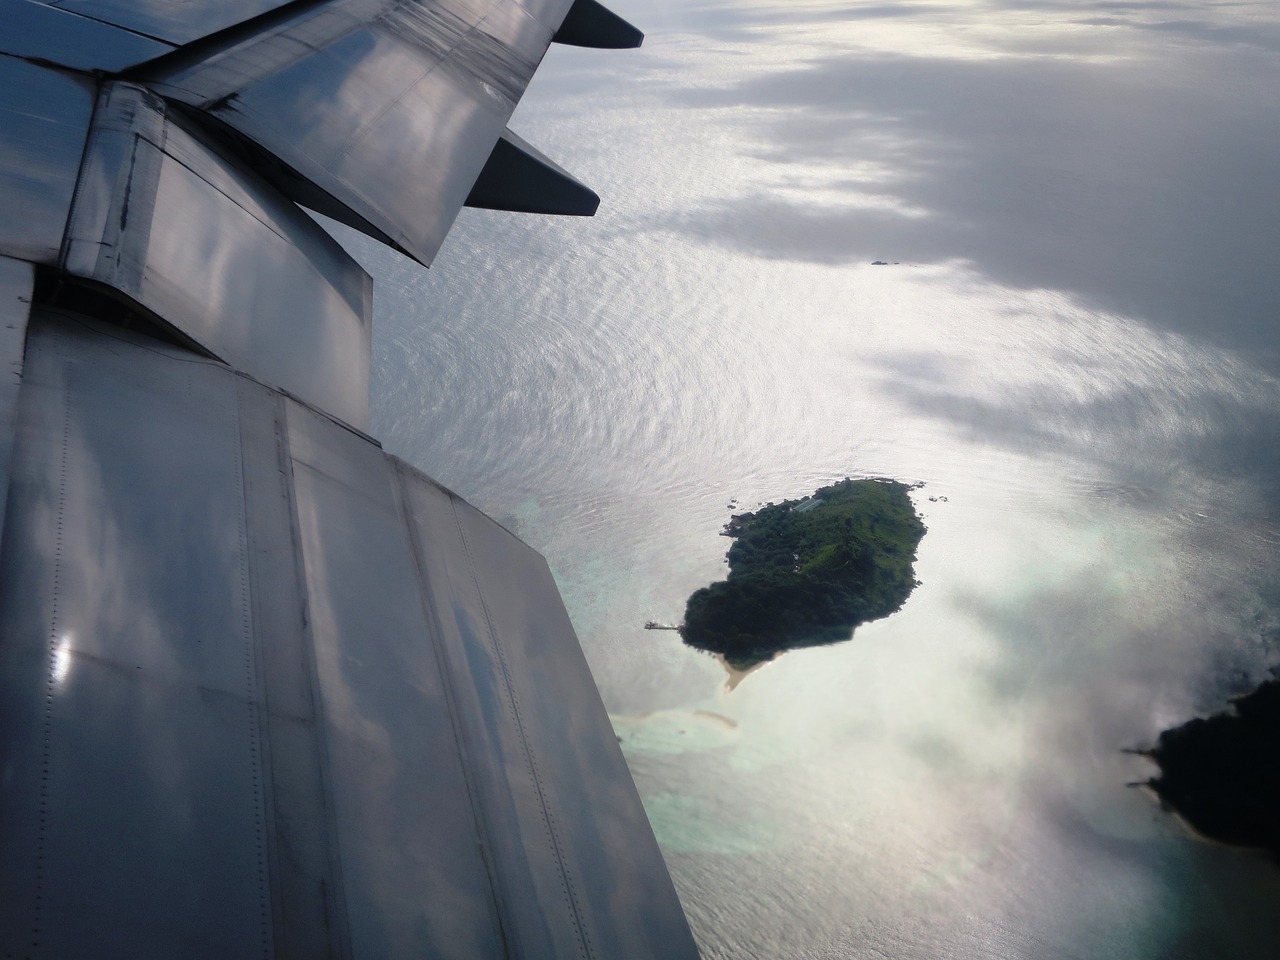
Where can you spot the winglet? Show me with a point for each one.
(590, 24)
(519, 178)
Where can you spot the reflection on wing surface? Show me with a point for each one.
(163, 218)
(384, 105)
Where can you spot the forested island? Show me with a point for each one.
(1222, 774)
(807, 572)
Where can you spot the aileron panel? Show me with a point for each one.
(416, 883)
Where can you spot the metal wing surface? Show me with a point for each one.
(385, 110)
(266, 690)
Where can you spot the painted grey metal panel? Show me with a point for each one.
(416, 882)
(16, 281)
(44, 120)
(308, 904)
(41, 31)
(390, 107)
(210, 248)
(581, 874)
(174, 21)
(538, 896)
(550, 13)
(131, 806)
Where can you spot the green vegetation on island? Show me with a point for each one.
(807, 572)
(1222, 774)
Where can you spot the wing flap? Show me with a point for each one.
(389, 107)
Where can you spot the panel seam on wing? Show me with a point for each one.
(568, 888)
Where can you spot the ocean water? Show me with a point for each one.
(1072, 347)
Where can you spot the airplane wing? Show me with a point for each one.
(265, 690)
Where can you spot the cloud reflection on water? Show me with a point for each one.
(1142, 181)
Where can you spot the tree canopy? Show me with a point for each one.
(807, 572)
(1222, 774)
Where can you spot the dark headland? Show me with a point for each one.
(1222, 774)
(807, 572)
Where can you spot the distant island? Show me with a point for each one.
(1222, 774)
(807, 572)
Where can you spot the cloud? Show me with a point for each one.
(1140, 184)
